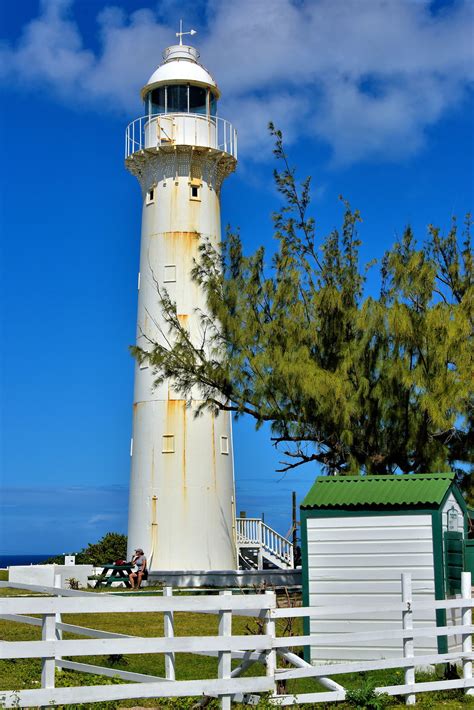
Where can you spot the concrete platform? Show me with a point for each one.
(44, 574)
(227, 578)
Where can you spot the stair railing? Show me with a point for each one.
(254, 532)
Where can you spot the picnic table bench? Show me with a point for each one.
(114, 573)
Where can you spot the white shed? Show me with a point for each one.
(359, 533)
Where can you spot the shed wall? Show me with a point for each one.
(353, 561)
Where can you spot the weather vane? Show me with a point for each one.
(181, 33)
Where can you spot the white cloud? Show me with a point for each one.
(104, 518)
(131, 50)
(49, 51)
(366, 76)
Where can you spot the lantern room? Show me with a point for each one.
(181, 85)
(180, 101)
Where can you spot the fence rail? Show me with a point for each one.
(267, 648)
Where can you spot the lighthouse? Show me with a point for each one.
(181, 504)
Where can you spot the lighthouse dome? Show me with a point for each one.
(181, 66)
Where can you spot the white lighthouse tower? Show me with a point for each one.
(181, 508)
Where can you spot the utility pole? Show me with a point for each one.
(294, 525)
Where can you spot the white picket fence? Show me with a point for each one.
(266, 647)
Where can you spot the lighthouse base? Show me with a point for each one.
(227, 578)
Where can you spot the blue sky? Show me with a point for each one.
(375, 99)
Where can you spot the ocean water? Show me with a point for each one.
(9, 560)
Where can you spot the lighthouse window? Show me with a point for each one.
(213, 104)
(150, 196)
(194, 192)
(168, 444)
(177, 98)
(197, 100)
(155, 101)
(180, 98)
(224, 445)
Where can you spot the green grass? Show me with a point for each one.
(19, 674)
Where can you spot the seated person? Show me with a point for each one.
(139, 570)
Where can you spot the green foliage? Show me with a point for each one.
(115, 658)
(354, 383)
(113, 546)
(365, 698)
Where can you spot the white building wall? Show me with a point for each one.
(354, 561)
(181, 505)
(44, 574)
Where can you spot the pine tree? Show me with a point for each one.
(351, 382)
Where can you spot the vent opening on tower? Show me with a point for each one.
(150, 196)
(195, 189)
(168, 444)
(225, 445)
(170, 273)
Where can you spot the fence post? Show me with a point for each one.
(58, 632)
(48, 665)
(225, 657)
(408, 645)
(466, 620)
(270, 630)
(170, 659)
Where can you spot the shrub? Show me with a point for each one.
(111, 547)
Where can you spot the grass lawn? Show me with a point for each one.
(19, 674)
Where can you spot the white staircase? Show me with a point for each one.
(260, 546)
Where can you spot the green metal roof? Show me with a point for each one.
(360, 491)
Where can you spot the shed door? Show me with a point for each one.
(453, 560)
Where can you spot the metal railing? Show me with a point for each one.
(192, 129)
(253, 532)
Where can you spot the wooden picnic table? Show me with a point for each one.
(114, 573)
